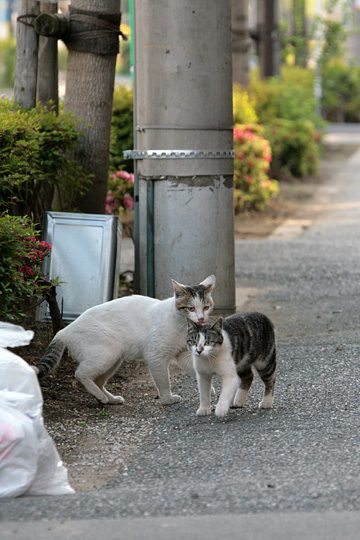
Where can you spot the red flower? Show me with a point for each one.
(27, 270)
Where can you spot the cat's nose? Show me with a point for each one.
(201, 320)
(199, 351)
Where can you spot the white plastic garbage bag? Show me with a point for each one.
(18, 451)
(29, 461)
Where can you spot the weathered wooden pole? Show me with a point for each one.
(47, 77)
(26, 54)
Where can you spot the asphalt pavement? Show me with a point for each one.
(292, 472)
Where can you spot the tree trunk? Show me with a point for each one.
(240, 41)
(89, 93)
(47, 79)
(26, 56)
(268, 43)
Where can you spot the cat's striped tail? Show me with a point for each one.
(52, 356)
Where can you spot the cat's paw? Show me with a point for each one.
(103, 400)
(203, 411)
(221, 411)
(266, 404)
(239, 399)
(239, 403)
(116, 400)
(169, 400)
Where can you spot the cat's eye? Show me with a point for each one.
(206, 308)
(191, 309)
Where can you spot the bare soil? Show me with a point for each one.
(94, 440)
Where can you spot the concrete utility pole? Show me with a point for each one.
(267, 38)
(26, 55)
(183, 107)
(241, 41)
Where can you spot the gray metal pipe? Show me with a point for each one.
(184, 102)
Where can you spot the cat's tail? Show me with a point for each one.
(52, 356)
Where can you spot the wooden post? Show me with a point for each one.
(26, 56)
(47, 75)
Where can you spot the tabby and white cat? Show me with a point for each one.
(232, 348)
(131, 328)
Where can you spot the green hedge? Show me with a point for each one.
(295, 148)
(289, 96)
(7, 62)
(253, 189)
(340, 91)
(21, 282)
(121, 129)
(286, 107)
(35, 158)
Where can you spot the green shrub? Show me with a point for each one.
(285, 105)
(120, 199)
(35, 158)
(121, 129)
(62, 56)
(340, 99)
(120, 196)
(22, 253)
(7, 62)
(289, 96)
(294, 145)
(243, 107)
(253, 189)
(123, 60)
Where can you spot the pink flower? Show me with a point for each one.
(111, 203)
(249, 179)
(122, 174)
(45, 245)
(267, 157)
(128, 201)
(128, 177)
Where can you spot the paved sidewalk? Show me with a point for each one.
(291, 526)
(292, 472)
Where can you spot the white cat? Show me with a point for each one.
(131, 328)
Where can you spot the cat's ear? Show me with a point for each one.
(209, 283)
(179, 289)
(218, 324)
(191, 325)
